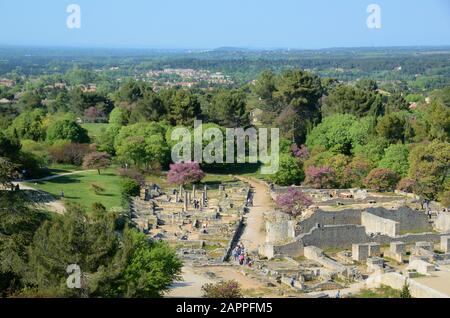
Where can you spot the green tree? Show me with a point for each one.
(184, 108)
(29, 125)
(429, 167)
(228, 109)
(290, 171)
(334, 134)
(346, 99)
(396, 159)
(67, 130)
(392, 127)
(143, 144)
(265, 86)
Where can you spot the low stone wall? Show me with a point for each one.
(397, 281)
(376, 224)
(316, 254)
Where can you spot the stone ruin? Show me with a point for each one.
(198, 221)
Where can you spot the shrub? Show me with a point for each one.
(130, 188)
(132, 173)
(381, 179)
(406, 185)
(223, 289)
(294, 202)
(68, 153)
(322, 177)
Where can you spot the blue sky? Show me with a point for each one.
(217, 23)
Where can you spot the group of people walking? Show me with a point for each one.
(241, 256)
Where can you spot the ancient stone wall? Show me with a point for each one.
(376, 224)
(334, 236)
(409, 219)
(348, 216)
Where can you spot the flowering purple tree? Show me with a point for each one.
(322, 177)
(185, 173)
(294, 202)
(301, 153)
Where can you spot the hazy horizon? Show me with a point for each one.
(206, 25)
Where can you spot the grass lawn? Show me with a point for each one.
(382, 292)
(78, 188)
(94, 129)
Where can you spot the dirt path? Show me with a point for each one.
(254, 233)
(56, 206)
(56, 176)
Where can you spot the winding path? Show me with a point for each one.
(56, 206)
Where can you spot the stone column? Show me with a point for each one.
(206, 192)
(193, 191)
(185, 201)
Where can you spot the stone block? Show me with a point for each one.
(397, 247)
(421, 267)
(425, 245)
(445, 244)
(374, 249)
(360, 252)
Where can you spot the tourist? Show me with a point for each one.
(338, 295)
(62, 193)
(236, 252)
(293, 282)
(241, 259)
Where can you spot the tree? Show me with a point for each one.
(9, 147)
(356, 171)
(63, 151)
(294, 202)
(346, 99)
(367, 84)
(396, 102)
(392, 127)
(429, 167)
(67, 130)
(320, 177)
(143, 144)
(29, 125)
(223, 289)
(405, 293)
(406, 185)
(301, 90)
(97, 160)
(228, 109)
(381, 179)
(373, 150)
(338, 163)
(334, 134)
(289, 172)
(437, 116)
(8, 172)
(265, 86)
(184, 108)
(396, 159)
(149, 108)
(185, 173)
